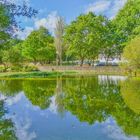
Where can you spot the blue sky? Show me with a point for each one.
(69, 9)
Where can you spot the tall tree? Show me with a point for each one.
(132, 54)
(9, 11)
(127, 20)
(110, 47)
(84, 36)
(14, 10)
(13, 55)
(59, 32)
(38, 47)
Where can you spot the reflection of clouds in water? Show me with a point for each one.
(22, 128)
(13, 100)
(2, 97)
(114, 132)
(104, 78)
(22, 124)
(31, 107)
(53, 106)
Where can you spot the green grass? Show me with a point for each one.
(21, 75)
(53, 74)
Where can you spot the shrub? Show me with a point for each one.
(30, 68)
(16, 68)
(2, 68)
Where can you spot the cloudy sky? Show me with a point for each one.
(69, 9)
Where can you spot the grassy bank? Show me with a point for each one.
(67, 71)
(21, 75)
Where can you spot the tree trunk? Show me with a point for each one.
(82, 61)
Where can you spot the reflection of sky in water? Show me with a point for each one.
(34, 124)
(105, 78)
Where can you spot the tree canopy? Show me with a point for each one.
(39, 47)
(131, 53)
(127, 20)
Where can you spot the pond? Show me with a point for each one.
(70, 108)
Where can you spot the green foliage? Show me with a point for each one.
(4, 24)
(132, 54)
(79, 36)
(13, 55)
(38, 47)
(89, 35)
(85, 38)
(2, 68)
(4, 17)
(29, 68)
(127, 20)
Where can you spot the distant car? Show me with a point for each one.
(105, 64)
(101, 64)
(115, 64)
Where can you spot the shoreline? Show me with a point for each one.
(47, 73)
(53, 74)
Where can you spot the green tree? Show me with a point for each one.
(4, 24)
(110, 46)
(38, 47)
(8, 14)
(84, 36)
(59, 44)
(8, 24)
(13, 55)
(127, 19)
(131, 54)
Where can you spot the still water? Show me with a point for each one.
(70, 108)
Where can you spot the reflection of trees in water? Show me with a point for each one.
(39, 92)
(91, 102)
(130, 92)
(89, 99)
(7, 130)
(59, 96)
(10, 87)
(130, 120)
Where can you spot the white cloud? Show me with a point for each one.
(19, 1)
(98, 7)
(13, 100)
(49, 22)
(113, 131)
(108, 7)
(41, 22)
(23, 34)
(117, 4)
(22, 128)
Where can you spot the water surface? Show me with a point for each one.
(70, 108)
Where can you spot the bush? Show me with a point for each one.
(2, 68)
(30, 68)
(16, 68)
